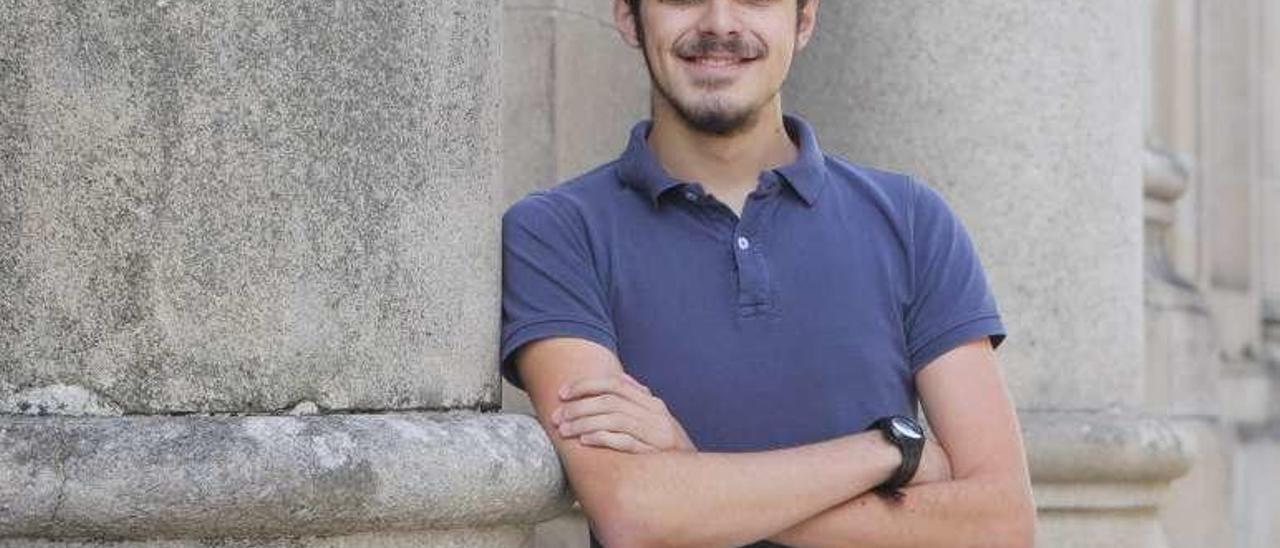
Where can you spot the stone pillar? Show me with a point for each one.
(249, 277)
(1260, 462)
(1027, 116)
(1270, 170)
(1183, 364)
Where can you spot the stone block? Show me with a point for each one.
(498, 537)
(263, 477)
(236, 206)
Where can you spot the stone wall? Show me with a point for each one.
(254, 245)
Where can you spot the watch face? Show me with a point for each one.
(905, 428)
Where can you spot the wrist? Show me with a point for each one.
(885, 456)
(908, 438)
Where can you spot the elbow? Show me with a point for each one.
(1016, 528)
(628, 517)
(1024, 535)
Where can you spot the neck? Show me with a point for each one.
(726, 165)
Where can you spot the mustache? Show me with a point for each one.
(734, 44)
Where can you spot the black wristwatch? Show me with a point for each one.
(908, 436)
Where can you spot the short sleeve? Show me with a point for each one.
(550, 285)
(951, 302)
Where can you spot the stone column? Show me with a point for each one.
(1269, 49)
(1260, 463)
(1027, 116)
(249, 277)
(1183, 364)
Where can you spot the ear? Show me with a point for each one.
(807, 23)
(625, 21)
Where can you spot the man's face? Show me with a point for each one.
(717, 63)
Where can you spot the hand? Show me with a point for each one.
(935, 465)
(617, 412)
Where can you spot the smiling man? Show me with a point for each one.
(726, 331)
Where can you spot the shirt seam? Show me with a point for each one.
(526, 324)
(950, 328)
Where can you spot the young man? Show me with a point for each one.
(725, 332)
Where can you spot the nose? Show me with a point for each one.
(719, 17)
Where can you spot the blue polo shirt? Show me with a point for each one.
(803, 320)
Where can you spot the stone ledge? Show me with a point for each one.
(1103, 448)
(506, 536)
(176, 477)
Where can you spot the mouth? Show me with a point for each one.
(716, 64)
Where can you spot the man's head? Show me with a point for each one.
(716, 63)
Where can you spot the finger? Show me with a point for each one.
(597, 405)
(609, 384)
(615, 422)
(617, 441)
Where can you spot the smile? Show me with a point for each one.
(716, 64)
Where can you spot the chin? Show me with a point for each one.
(719, 122)
(714, 115)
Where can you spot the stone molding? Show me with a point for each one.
(188, 477)
(1102, 460)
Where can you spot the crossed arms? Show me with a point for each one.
(642, 484)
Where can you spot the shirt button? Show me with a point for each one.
(743, 243)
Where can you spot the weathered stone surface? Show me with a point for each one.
(57, 400)
(143, 478)
(1100, 478)
(1027, 116)
(1103, 447)
(235, 206)
(1181, 349)
(508, 537)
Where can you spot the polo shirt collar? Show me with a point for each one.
(640, 169)
(809, 170)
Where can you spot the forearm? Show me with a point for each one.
(705, 499)
(967, 512)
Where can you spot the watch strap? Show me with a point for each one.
(912, 451)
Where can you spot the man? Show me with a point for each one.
(726, 332)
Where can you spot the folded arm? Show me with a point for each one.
(689, 498)
(988, 502)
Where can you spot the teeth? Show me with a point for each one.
(716, 61)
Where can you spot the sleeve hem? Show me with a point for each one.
(963, 331)
(532, 330)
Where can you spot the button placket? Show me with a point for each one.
(753, 270)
